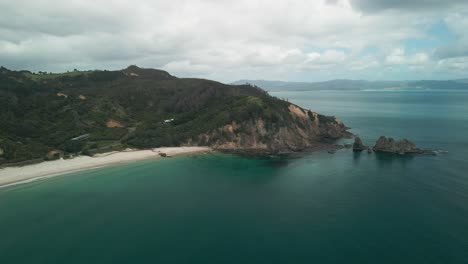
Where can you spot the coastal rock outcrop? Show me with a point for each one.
(300, 129)
(358, 145)
(401, 147)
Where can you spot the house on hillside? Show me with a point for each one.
(167, 121)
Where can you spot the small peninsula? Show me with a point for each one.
(47, 116)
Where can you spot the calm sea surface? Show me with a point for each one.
(316, 208)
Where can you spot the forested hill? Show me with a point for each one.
(48, 115)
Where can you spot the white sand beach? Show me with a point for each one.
(16, 175)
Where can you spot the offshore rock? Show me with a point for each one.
(358, 145)
(401, 147)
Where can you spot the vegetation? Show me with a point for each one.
(46, 76)
(70, 112)
(43, 112)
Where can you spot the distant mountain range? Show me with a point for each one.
(459, 84)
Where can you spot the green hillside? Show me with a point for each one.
(97, 111)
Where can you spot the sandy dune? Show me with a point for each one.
(16, 175)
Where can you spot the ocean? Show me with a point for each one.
(309, 208)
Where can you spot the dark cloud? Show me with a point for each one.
(57, 19)
(459, 49)
(410, 5)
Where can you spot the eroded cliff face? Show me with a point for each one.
(304, 129)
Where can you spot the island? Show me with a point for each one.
(401, 147)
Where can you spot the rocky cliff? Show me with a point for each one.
(305, 129)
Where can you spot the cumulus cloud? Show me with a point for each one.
(226, 40)
(458, 23)
(364, 64)
(399, 57)
(187, 67)
(457, 65)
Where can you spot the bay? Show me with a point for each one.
(310, 208)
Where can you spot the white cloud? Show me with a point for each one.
(459, 64)
(187, 67)
(458, 23)
(399, 57)
(222, 39)
(364, 64)
(325, 60)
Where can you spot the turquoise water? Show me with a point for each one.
(313, 208)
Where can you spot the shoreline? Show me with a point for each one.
(11, 176)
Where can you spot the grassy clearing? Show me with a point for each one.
(46, 76)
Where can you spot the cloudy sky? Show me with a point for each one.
(226, 40)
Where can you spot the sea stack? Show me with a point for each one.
(358, 145)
